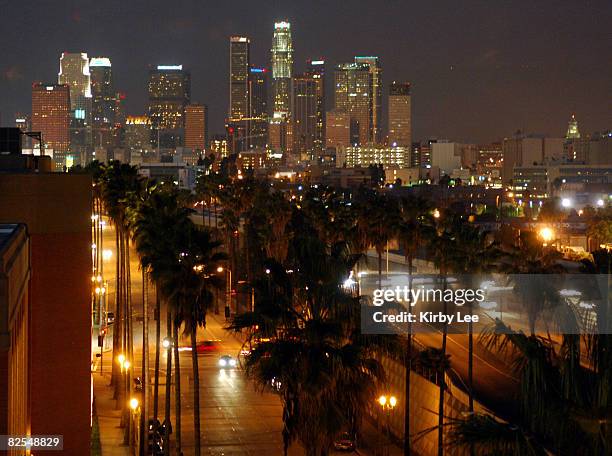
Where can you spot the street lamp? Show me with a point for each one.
(167, 343)
(387, 404)
(134, 403)
(547, 234)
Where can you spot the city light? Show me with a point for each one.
(166, 343)
(107, 255)
(382, 400)
(547, 234)
(134, 403)
(566, 202)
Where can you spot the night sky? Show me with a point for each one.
(480, 70)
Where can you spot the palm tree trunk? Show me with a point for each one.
(157, 349)
(442, 379)
(196, 391)
(470, 361)
(379, 268)
(144, 420)
(168, 383)
(116, 325)
(177, 386)
(408, 364)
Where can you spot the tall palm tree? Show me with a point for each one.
(188, 285)
(477, 255)
(443, 249)
(413, 227)
(377, 222)
(314, 360)
(160, 222)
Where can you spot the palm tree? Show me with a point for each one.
(188, 285)
(315, 360)
(443, 249)
(117, 182)
(477, 255)
(413, 227)
(160, 222)
(377, 223)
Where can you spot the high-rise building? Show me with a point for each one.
(51, 116)
(169, 93)
(137, 133)
(375, 96)
(337, 129)
(74, 71)
(316, 68)
(24, 123)
(102, 101)
(282, 67)
(304, 102)
(353, 93)
(196, 123)
(400, 128)
(258, 119)
(239, 78)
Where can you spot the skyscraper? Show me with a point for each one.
(282, 67)
(196, 123)
(239, 78)
(338, 129)
(258, 93)
(304, 102)
(353, 94)
(376, 95)
(103, 100)
(51, 116)
(169, 93)
(316, 68)
(400, 127)
(74, 71)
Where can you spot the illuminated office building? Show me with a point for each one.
(353, 94)
(258, 93)
(196, 123)
(386, 156)
(137, 134)
(51, 116)
(282, 67)
(239, 78)
(337, 129)
(24, 123)
(375, 95)
(400, 128)
(102, 100)
(316, 68)
(169, 93)
(74, 71)
(304, 117)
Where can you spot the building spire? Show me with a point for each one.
(572, 128)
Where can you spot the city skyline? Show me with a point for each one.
(515, 70)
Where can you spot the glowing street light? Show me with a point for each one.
(134, 403)
(220, 269)
(166, 343)
(107, 255)
(436, 213)
(547, 234)
(566, 202)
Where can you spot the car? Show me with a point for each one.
(203, 347)
(227, 362)
(345, 442)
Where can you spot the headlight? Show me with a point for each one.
(232, 362)
(222, 362)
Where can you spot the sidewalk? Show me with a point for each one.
(108, 418)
